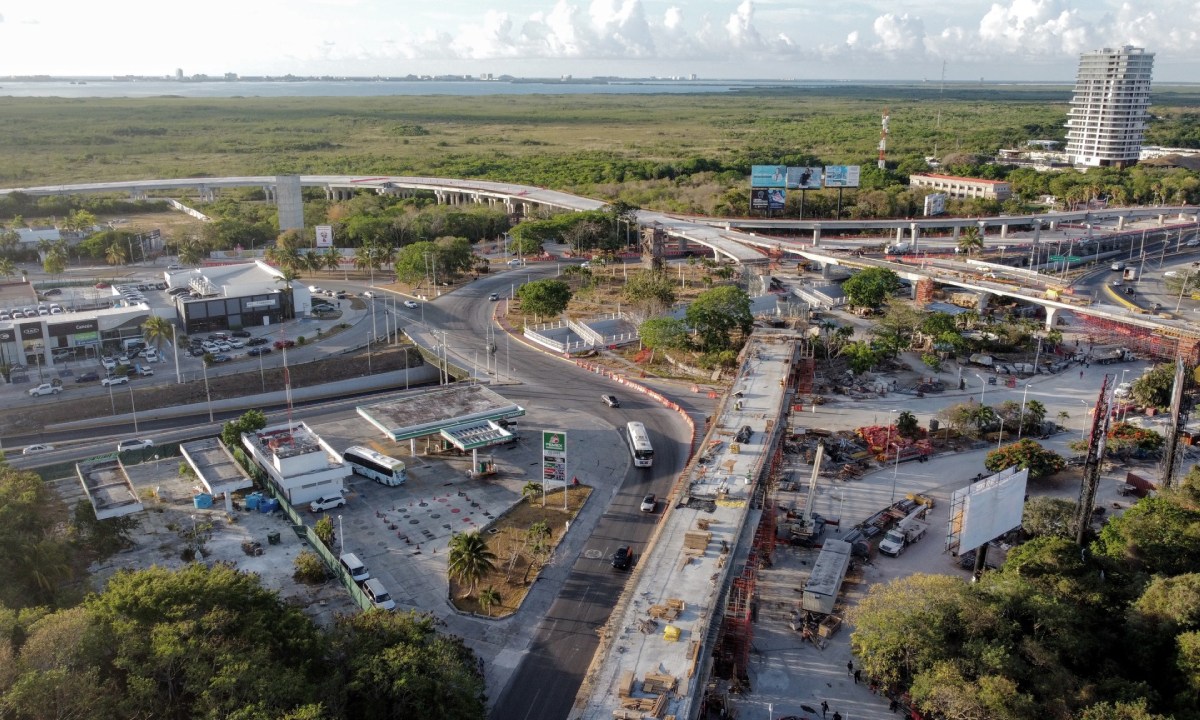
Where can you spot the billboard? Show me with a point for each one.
(72, 328)
(776, 198)
(935, 204)
(768, 176)
(324, 236)
(841, 176)
(554, 456)
(804, 178)
(987, 509)
(758, 199)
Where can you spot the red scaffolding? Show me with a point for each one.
(1163, 343)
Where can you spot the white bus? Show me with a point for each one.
(377, 466)
(639, 444)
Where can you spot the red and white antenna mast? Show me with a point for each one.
(883, 134)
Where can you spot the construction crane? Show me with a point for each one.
(809, 527)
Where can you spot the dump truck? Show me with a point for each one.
(1110, 355)
(907, 531)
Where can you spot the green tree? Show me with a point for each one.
(115, 254)
(544, 298)
(715, 314)
(191, 254)
(488, 598)
(324, 531)
(1154, 388)
(8, 268)
(531, 491)
(664, 333)
(1049, 517)
(157, 330)
(649, 292)
(249, 422)
(907, 425)
(861, 356)
(871, 287)
(1156, 535)
(396, 665)
(970, 240)
(470, 559)
(1023, 454)
(35, 558)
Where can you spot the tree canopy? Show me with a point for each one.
(871, 287)
(544, 298)
(715, 314)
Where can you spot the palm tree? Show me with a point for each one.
(157, 330)
(115, 254)
(191, 253)
(8, 268)
(531, 491)
(970, 240)
(313, 261)
(331, 259)
(470, 559)
(488, 597)
(364, 259)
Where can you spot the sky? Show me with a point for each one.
(968, 40)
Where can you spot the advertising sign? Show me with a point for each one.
(935, 204)
(804, 178)
(324, 236)
(72, 328)
(764, 176)
(758, 199)
(776, 198)
(8, 335)
(554, 456)
(837, 176)
(30, 331)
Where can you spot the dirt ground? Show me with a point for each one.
(516, 566)
(221, 387)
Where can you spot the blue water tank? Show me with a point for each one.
(252, 500)
(268, 506)
(203, 501)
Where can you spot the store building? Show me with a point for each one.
(962, 188)
(233, 297)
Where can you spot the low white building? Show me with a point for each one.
(302, 465)
(962, 188)
(237, 296)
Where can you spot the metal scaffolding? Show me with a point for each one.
(1091, 463)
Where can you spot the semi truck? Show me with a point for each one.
(907, 531)
(1107, 355)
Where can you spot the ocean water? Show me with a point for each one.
(373, 88)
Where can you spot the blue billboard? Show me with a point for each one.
(768, 176)
(841, 176)
(776, 198)
(804, 178)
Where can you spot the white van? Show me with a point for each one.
(378, 595)
(354, 566)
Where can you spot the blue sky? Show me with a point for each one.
(853, 39)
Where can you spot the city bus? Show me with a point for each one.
(377, 466)
(639, 444)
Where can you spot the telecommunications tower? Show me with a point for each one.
(883, 134)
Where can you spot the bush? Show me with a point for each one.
(1026, 454)
(309, 569)
(300, 340)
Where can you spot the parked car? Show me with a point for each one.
(33, 449)
(196, 351)
(255, 352)
(236, 343)
(115, 380)
(649, 503)
(281, 344)
(44, 389)
(378, 594)
(221, 358)
(134, 444)
(240, 333)
(411, 304)
(257, 341)
(108, 362)
(622, 558)
(323, 307)
(327, 502)
(150, 355)
(52, 292)
(88, 377)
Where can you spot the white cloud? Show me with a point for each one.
(740, 27)
(1035, 27)
(899, 33)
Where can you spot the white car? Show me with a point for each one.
(109, 363)
(150, 355)
(515, 262)
(1123, 390)
(44, 389)
(327, 502)
(134, 444)
(236, 343)
(315, 289)
(411, 304)
(115, 380)
(32, 449)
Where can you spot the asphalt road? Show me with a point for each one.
(549, 676)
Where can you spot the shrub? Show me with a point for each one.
(309, 569)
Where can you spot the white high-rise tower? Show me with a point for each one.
(1108, 114)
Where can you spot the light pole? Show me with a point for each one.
(1083, 430)
(1021, 417)
(207, 394)
(133, 407)
(895, 473)
(341, 538)
(982, 388)
(1000, 439)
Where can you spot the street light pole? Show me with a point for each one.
(1000, 439)
(895, 473)
(982, 387)
(341, 538)
(133, 407)
(207, 394)
(1021, 417)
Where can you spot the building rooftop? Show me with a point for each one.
(215, 466)
(984, 181)
(107, 486)
(425, 412)
(286, 442)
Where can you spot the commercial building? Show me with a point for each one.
(1109, 111)
(962, 188)
(232, 297)
(42, 340)
(302, 465)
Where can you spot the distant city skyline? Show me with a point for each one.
(1016, 40)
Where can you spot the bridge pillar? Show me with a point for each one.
(269, 194)
(1051, 312)
(1162, 220)
(915, 231)
(816, 235)
(1120, 223)
(1004, 231)
(954, 233)
(440, 195)
(1037, 232)
(982, 230)
(508, 206)
(900, 234)
(984, 298)
(328, 192)
(1053, 225)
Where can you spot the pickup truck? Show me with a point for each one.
(44, 389)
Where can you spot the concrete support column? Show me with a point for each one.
(1004, 231)
(1051, 313)
(1120, 223)
(954, 233)
(900, 234)
(1053, 225)
(508, 206)
(982, 230)
(915, 231)
(441, 196)
(1162, 220)
(328, 193)
(816, 235)
(825, 271)
(269, 194)
(984, 299)
(1037, 233)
